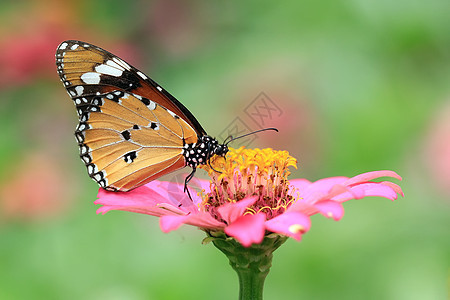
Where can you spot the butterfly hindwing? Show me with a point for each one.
(124, 143)
(127, 135)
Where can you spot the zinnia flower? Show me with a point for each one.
(249, 196)
(250, 207)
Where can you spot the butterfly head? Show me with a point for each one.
(221, 150)
(214, 148)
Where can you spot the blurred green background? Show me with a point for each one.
(360, 86)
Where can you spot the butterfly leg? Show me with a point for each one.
(188, 178)
(209, 163)
(209, 158)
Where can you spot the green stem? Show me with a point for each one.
(252, 264)
(251, 282)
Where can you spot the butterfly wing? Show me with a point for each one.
(87, 69)
(126, 134)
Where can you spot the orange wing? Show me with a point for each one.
(130, 131)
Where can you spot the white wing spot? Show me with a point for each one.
(122, 63)
(115, 65)
(83, 149)
(152, 105)
(84, 118)
(109, 70)
(142, 75)
(72, 93)
(78, 101)
(63, 46)
(82, 127)
(172, 114)
(74, 46)
(159, 88)
(79, 89)
(91, 78)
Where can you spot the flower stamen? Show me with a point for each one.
(251, 172)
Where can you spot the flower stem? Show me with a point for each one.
(252, 264)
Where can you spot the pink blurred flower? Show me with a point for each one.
(251, 198)
(29, 38)
(178, 27)
(436, 147)
(37, 189)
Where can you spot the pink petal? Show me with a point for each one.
(305, 208)
(233, 210)
(324, 185)
(372, 175)
(394, 186)
(204, 185)
(174, 194)
(309, 200)
(292, 224)
(300, 183)
(330, 209)
(201, 219)
(156, 198)
(368, 189)
(319, 190)
(248, 229)
(153, 211)
(377, 190)
(169, 223)
(339, 189)
(143, 200)
(140, 195)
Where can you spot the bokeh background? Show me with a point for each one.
(359, 86)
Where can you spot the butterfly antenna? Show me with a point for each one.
(250, 133)
(228, 137)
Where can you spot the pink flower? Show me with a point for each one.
(35, 189)
(250, 198)
(436, 147)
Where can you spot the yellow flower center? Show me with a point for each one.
(250, 172)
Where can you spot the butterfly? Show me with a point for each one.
(131, 130)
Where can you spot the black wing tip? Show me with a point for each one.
(68, 43)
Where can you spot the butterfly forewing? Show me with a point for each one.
(87, 70)
(130, 131)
